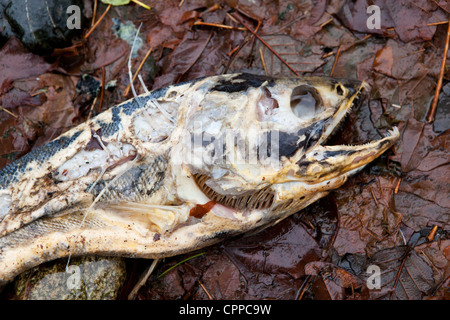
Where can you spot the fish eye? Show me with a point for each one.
(306, 102)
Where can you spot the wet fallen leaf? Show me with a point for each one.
(397, 15)
(341, 285)
(409, 277)
(424, 157)
(17, 63)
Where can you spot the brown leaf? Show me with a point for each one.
(415, 276)
(341, 284)
(367, 221)
(17, 63)
(182, 58)
(398, 15)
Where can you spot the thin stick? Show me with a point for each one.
(129, 61)
(142, 280)
(304, 286)
(217, 25)
(98, 22)
(127, 89)
(335, 60)
(326, 22)
(440, 6)
(437, 23)
(92, 107)
(204, 289)
(141, 4)
(9, 112)
(398, 185)
(94, 13)
(432, 113)
(262, 60)
(266, 44)
(430, 237)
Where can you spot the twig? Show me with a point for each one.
(400, 269)
(204, 289)
(326, 22)
(262, 61)
(440, 6)
(9, 112)
(233, 51)
(304, 287)
(217, 25)
(94, 13)
(141, 4)
(430, 237)
(92, 107)
(335, 60)
(432, 113)
(266, 44)
(129, 62)
(398, 185)
(437, 23)
(236, 50)
(142, 280)
(127, 89)
(98, 22)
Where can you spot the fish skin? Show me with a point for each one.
(126, 182)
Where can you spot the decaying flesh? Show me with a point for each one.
(179, 169)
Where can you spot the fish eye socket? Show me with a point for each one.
(306, 102)
(340, 90)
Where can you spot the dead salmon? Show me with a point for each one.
(180, 168)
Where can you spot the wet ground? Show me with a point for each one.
(395, 214)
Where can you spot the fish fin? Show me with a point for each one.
(163, 218)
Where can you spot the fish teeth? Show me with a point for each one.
(393, 132)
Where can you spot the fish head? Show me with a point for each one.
(259, 143)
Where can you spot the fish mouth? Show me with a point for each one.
(324, 162)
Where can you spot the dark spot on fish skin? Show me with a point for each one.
(113, 126)
(243, 82)
(221, 235)
(13, 171)
(288, 144)
(288, 141)
(156, 237)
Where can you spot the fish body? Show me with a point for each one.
(179, 168)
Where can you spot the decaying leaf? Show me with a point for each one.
(404, 272)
